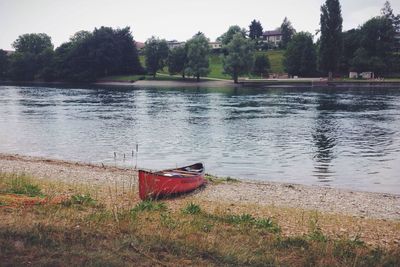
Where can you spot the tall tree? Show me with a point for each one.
(198, 52)
(156, 53)
(287, 31)
(177, 61)
(387, 12)
(33, 52)
(331, 36)
(261, 65)
(300, 56)
(239, 57)
(226, 37)
(255, 30)
(3, 64)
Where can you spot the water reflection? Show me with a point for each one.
(339, 137)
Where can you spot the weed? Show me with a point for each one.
(22, 185)
(191, 208)
(241, 219)
(3, 203)
(84, 200)
(167, 221)
(292, 242)
(149, 205)
(268, 224)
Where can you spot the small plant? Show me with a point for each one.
(3, 203)
(22, 185)
(268, 224)
(167, 221)
(149, 205)
(315, 232)
(241, 219)
(84, 200)
(191, 208)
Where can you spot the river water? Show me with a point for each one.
(345, 138)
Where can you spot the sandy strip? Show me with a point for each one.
(360, 204)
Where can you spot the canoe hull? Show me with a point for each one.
(159, 184)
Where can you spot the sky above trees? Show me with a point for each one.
(173, 19)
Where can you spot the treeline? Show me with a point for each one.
(88, 56)
(84, 58)
(370, 47)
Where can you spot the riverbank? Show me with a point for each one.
(214, 83)
(317, 198)
(92, 215)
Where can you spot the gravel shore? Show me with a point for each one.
(329, 200)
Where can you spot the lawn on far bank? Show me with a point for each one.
(216, 68)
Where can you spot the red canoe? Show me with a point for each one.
(167, 182)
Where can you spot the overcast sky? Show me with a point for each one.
(169, 19)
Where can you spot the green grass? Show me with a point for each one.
(216, 69)
(19, 184)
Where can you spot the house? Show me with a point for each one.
(215, 46)
(274, 38)
(174, 43)
(139, 45)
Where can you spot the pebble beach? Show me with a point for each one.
(322, 199)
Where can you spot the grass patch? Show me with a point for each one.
(79, 199)
(191, 208)
(149, 205)
(19, 184)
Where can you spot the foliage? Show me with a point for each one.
(149, 205)
(156, 52)
(191, 208)
(300, 57)
(261, 65)
(89, 56)
(4, 62)
(287, 31)
(255, 30)
(22, 184)
(330, 49)
(228, 36)
(387, 12)
(80, 199)
(351, 42)
(33, 54)
(34, 43)
(198, 52)
(177, 59)
(239, 57)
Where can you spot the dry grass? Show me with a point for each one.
(108, 226)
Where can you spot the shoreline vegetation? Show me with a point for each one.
(91, 215)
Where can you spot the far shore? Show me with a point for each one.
(209, 83)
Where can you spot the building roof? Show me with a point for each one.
(139, 45)
(272, 33)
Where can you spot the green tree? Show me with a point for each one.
(177, 61)
(156, 53)
(34, 43)
(226, 37)
(287, 31)
(255, 30)
(261, 65)
(198, 51)
(239, 57)
(33, 52)
(300, 56)
(90, 55)
(4, 61)
(387, 12)
(331, 36)
(351, 42)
